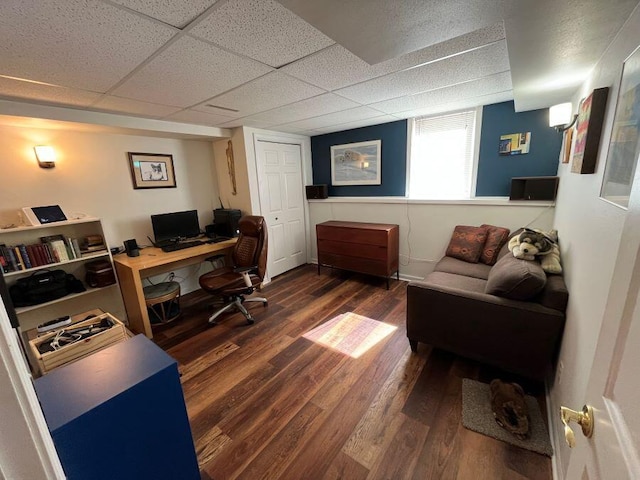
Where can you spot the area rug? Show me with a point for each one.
(477, 416)
(350, 333)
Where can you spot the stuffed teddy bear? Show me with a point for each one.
(532, 243)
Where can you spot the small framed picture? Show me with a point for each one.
(152, 170)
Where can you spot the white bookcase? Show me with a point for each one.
(33, 315)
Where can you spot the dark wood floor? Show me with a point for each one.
(265, 403)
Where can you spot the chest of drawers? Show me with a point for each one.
(370, 248)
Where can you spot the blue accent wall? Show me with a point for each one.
(393, 159)
(495, 170)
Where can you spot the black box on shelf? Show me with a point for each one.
(533, 188)
(315, 192)
(225, 222)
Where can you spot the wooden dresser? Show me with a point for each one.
(370, 248)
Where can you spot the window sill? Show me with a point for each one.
(495, 201)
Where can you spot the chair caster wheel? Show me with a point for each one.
(265, 304)
(250, 321)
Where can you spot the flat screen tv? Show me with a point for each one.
(171, 227)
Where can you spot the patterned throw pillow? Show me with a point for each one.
(467, 243)
(496, 238)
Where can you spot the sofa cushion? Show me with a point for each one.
(496, 238)
(554, 294)
(516, 279)
(455, 282)
(466, 243)
(460, 267)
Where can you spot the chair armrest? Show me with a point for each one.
(245, 269)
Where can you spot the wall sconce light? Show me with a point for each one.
(46, 156)
(560, 117)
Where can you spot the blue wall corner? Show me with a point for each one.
(494, 170)
(393, 159)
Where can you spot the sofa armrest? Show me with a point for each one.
(518, 336)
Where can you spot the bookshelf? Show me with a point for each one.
(42, 257)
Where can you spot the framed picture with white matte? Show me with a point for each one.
(152, 170)
(356, 163)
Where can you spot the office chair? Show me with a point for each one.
(249, 259)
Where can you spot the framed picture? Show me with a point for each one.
(568, 139)
(152, 170)
(356, 163)
(514, 143)
(589, 131)
(622, 158)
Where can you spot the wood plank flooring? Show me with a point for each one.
(265, 403)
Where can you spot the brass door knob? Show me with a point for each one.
(583, 418)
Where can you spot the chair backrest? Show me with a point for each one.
(251, 247)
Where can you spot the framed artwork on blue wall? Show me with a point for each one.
(356, 163)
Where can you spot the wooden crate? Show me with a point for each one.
(45, 362)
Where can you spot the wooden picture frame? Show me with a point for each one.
(356, 163)
(589, 131)
(152, 170)
(624, 148)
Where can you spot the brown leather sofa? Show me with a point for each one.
(510, 315)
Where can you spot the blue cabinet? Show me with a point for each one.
(120, 413)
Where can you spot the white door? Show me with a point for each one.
(614, 384)
(282, 203)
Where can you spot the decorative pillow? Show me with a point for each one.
(516, 279)
(496, 238)
(466, 243)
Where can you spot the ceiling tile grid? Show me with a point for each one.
(336, 118)
(269, 91)
(261, 29)
(461, 68)
(174, 12)
(46, 93)
(459, 104)
(83, 44)
(199, 118)
(336, 67)
(188, 72)
(113, 104)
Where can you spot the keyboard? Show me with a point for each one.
(179, 246)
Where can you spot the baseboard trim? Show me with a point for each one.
(403, 277)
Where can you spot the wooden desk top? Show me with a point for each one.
(152, 257)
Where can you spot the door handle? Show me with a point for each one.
(583, 418)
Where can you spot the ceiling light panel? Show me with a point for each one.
(478, 63)
(263, 30)
(174, 12)
(134, 107)
(270, 91)
(311, 107)
(499, 82)
(189, 72)
(337, 67)
(83, 44)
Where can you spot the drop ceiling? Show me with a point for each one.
(298, 66)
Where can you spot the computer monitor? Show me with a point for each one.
(176, 225)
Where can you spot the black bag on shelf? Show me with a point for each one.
(44, 286)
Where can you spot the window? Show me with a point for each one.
(442, 152)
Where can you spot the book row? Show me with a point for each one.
(53, 249)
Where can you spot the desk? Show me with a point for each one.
(153, 261)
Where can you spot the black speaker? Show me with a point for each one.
(315, 192)
(533, 188)
(131, 246)
(225, 221)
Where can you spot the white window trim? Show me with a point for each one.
(474, 160)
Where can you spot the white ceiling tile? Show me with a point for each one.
(475, 64)
(269, 91)
(174, 12)
(311, 107)
(76, 43)
(199, 118)
(189, 72)
(458, 104)
(247, 122)
(356, 124)
(499, 82)
(134, 107)
(263, 30)
(46, 93)
(351, 115)
(337, 67)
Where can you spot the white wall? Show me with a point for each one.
(92, 176)
(590, 231)
(426, 227)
